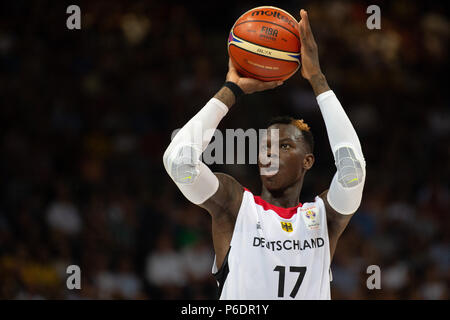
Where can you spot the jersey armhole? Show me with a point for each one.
(222, 273)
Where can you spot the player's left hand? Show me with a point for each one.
(249, 85)
(309, 52)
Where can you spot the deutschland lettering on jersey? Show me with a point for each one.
(288, 244)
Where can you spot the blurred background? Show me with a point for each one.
(85, 116)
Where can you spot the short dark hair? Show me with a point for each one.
(300, 124)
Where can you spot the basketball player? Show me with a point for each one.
(271, 246)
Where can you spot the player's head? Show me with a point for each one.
(294, 155)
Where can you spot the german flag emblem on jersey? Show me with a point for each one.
(287, 226)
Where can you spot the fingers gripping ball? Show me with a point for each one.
(264, 44)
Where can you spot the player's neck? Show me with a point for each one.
(286, 198)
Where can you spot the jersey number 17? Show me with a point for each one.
(282, 273)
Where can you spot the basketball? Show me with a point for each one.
(264, 44)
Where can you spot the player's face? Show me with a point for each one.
(283, 166)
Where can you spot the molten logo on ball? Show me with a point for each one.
(275, 14)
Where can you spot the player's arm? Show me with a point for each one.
(344, 195)
(218, 193)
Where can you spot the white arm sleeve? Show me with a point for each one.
(182, 157)
(345, 192)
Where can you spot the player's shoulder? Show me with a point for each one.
(314, 207)
(316, 202)
(313, 213)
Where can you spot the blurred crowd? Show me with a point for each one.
(85, 116)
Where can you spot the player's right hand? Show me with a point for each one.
(309, 51)
(249, 85)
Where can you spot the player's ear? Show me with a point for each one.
(308, 161)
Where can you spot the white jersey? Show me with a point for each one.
(277, 253)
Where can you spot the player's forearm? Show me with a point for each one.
(345, 192)
(339, 128)
(319, 83)
(197, 133)
(200, 129)
(226, 96)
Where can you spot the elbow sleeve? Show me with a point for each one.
(347, 186)
(194, 179)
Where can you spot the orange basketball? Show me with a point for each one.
(264, 44)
